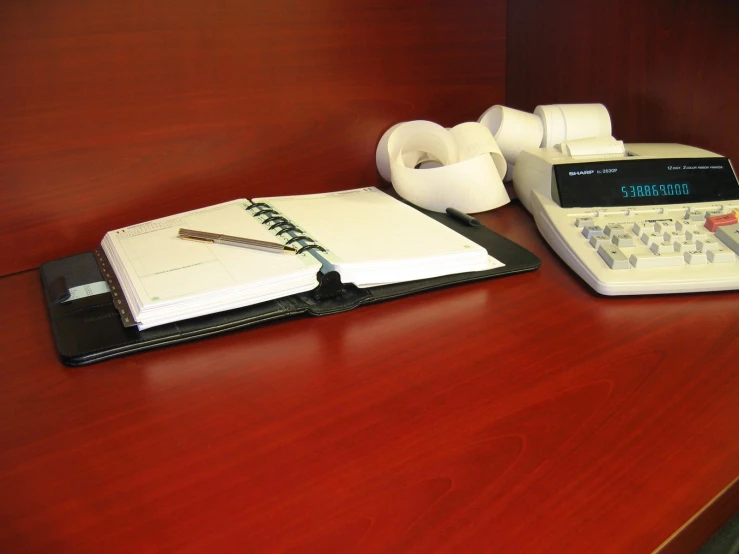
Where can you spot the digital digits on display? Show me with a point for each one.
(669, 189)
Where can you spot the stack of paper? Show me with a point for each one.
(167, 279)
(375, 239)
(366, 236)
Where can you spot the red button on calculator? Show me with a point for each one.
(715, 221)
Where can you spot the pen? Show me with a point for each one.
(463, 217)
(203, 236)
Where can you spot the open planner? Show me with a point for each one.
(368, 237)
(348, 248)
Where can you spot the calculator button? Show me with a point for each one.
(599, 240)
(721, 256)
(623, 240)
(591, 230)
(715, 221)
(693, 257)
(584, 222)
(694, 215)
(650, 238)
(664, 225)
(697, 234)
(683, 225)
(643, 227)
(673, 236)
(662, 247)
(640, 260)
(614, 228)
(684, 246)
(708, 243)
(729, 235)
(613, 256)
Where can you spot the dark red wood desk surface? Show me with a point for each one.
(522, 414)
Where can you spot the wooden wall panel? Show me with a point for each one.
(117, 112)
(667, 70)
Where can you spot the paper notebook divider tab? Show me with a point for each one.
(119, 299)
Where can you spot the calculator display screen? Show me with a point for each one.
(644, 182)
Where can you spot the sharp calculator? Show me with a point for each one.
(664, 218)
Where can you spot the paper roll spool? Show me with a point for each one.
(513, 130)
(566, 122)
(469, 177)
(594, 147)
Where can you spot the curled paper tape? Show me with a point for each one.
(469, 166)
(567, 122)
(473, 140)
(381, 155)
(509, 173)
(513, 130)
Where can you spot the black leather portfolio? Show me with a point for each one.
(88, 329)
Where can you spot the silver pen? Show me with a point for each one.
(204, 236)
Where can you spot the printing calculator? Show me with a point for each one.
(664, 218)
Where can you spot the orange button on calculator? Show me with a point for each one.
(715, 221)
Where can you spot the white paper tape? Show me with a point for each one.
(513, 130)
(566, 122)
(474, 139)
(463, 167)
(509, 173)
(437, 168)
(381, 156)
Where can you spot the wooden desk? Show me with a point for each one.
(523, 414)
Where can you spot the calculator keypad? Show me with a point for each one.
(676, 237)
(729, 235)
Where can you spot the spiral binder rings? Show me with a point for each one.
(144, 288)
(278, 223)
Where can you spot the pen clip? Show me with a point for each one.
(196, 239)
(201, 235)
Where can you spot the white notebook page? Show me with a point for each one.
(368, 225)
(163, 268)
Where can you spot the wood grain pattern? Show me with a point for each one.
(115, 113)
(692, 535)
(522, 414)
(667, 70)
